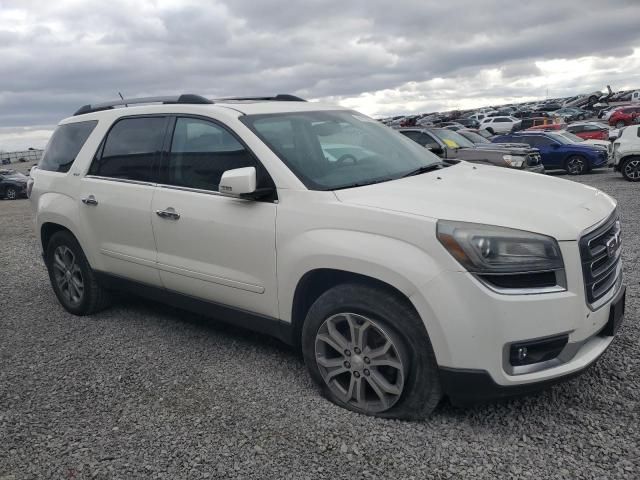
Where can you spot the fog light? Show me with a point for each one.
(536, 351)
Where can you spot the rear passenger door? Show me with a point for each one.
(116, 198)
(212, 246)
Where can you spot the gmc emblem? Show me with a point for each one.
(613, 244)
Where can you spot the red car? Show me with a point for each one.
(623, 116)
(589, 131)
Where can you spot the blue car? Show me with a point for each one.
(558, 152)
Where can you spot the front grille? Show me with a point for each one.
(600, 254)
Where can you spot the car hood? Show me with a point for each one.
(521, 148)
(17, 178)
(492, 196)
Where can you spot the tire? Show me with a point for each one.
(71, 276)
(630, 169)
(620, 124)
(576, 165)
(11, 193)
(408, 365)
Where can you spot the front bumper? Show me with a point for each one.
(466, 386)
(470, 325)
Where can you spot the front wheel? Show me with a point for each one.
(631, 169)
(11, 193)
(369, 352)
(576, 165)
(620, 124)
(71, 276)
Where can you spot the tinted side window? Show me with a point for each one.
(131, 148)
(201, 152)
(412, 135)
(64, 146)
(501, 120)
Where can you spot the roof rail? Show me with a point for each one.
(187, 98)
(281, 97)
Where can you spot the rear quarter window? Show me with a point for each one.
(64, 146)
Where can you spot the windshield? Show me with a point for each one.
(452, 139)
(570, 136)
(328, 150)
(560, 138)
(474, 137)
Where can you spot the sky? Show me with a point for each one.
(379, 57)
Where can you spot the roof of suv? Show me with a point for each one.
(177, 104)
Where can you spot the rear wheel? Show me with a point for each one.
(576, 165)
(368, 351)
(620, 124)
(631, 169)
(72, 278)
(11, 193)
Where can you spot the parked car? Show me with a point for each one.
(548, 127)
(476, 137)
(529, 122)
(6, 161)
(549, 107)
(499, 124)
(571, 114)
(557, 152)
(451, 145)
(12, 184)
(604, 145)
(623, 116)
(626, 153)
(468, 122)
(399, 277)
(589, 130)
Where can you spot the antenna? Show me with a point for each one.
(122, 98)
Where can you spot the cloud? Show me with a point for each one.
(377, 56)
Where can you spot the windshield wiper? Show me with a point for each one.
(360, 184)
(423, 169)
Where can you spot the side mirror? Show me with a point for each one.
(433, 148)
(238, 182)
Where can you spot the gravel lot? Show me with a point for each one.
(145, 391)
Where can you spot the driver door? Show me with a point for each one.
(212, 246)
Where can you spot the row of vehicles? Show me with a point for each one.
(534, 151)
(402, 278)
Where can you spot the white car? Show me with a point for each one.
(401, 278)
(499, 124)
(626, 153)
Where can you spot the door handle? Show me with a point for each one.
(90, 200)
(169, 213)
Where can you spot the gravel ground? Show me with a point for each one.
(145, 391)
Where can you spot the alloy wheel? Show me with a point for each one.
(575, 165)
(360, 362)
(68, 275)
(11, 194)
(632, 170)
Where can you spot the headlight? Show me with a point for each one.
(488, 249)
(508, 260)
(514, 160)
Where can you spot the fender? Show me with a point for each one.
(60, 209)
(400, 264)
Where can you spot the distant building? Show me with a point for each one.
(31, 155)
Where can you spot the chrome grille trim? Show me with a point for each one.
(600, 252)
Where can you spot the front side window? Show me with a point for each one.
(201, 151)
(64, 146)
(328, 150)
(131, 149)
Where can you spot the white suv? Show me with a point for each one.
(626, 153)
(400, 278)
(499, 124)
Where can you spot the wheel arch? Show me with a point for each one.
(318, 281)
